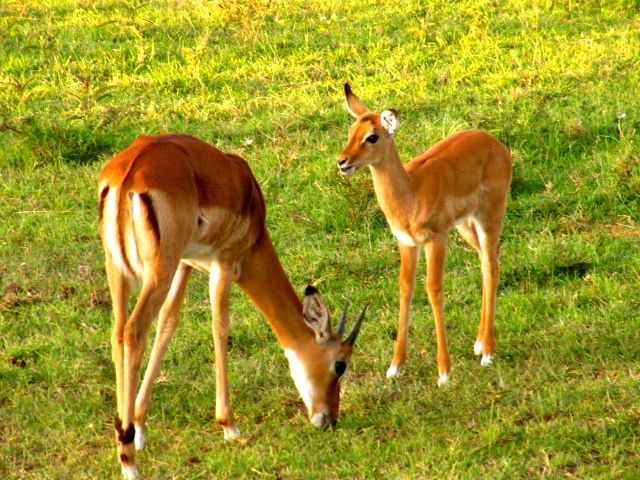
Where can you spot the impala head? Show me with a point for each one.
(369, 137)
(317, 370)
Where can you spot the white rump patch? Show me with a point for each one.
(111, 228)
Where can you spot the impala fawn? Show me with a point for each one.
(462, 182)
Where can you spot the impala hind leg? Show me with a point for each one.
(407, 280)
(120, 291)
(436, 251)
(167, 323)
(489, 244)
(154, 291)
(220, 281)
(467, 231)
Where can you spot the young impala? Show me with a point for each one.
(459, 182)
(172, 203)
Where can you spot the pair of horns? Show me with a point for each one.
(356, 328)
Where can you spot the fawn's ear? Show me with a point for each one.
(389, 120)
(354, 106)
(316, 315)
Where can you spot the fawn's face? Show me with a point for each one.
(369, 137)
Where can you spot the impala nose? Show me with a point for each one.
(319, 420)
(345, 169)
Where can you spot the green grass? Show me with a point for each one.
(79, 80)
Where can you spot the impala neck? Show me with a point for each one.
(392, 184)
(265, 282)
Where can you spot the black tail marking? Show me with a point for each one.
(103, 196)
(151, 214)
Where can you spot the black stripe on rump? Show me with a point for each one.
(151, 214)
(103, 196)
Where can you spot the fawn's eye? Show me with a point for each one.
(371, 139)
(340, 367)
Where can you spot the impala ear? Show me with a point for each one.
(389, 120)
(316, 315)
(354, 106)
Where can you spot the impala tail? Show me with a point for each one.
(128, 224)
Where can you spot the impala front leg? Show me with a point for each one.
(436, 251)
(219, 288)
(408, 264)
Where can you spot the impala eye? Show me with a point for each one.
(340, 367)
(371, 139)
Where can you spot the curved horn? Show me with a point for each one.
(343, 320)
(356, 328)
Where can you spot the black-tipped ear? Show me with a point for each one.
(354, 105)
(310, 290)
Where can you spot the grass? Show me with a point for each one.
(556, 81)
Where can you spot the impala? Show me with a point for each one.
(462, 182)
(172, 203)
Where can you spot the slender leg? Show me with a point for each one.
(167, 323)
(120, 290)
(154, 290)
(436, 251)
(468, 232)
(490, 278)
(219, 287)
(408, 265)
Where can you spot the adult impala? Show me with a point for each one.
(172, 203)
(462, 181)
